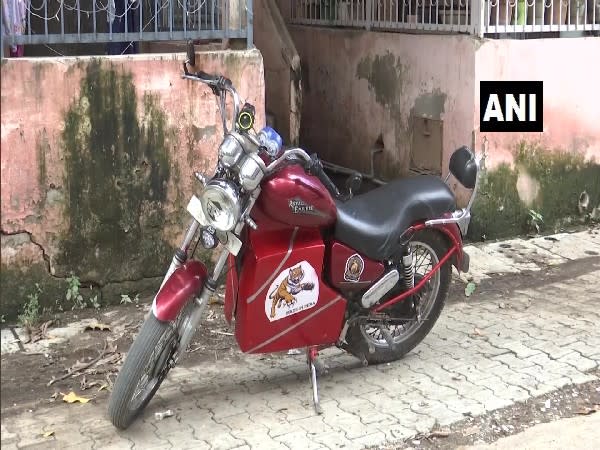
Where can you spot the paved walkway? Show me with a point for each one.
(510, 342)
(577, 433)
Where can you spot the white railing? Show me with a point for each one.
(454, 16)
(27, 22)
(538, 16)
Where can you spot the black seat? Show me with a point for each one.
(372, 223)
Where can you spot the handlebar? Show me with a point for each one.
(311, 163)
(316, 168)
(220, 85)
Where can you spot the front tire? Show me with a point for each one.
(366, 341)
(145, 368)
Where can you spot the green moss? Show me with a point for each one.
(385, 74)
(117, 174)
(18, 283)
(43, 147)
(498, 210)
(561, 177)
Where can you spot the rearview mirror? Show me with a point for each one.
(353, 183)
(191, 53)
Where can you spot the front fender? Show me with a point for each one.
(185, 282)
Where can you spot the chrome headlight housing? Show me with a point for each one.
(231, 150)
(221, 204)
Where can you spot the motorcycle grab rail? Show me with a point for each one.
(462, 217)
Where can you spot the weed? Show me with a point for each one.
(535, 219)
(73, 294)
(94, 302)
(126, 299)
(31, 310)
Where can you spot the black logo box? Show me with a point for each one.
(501, 88)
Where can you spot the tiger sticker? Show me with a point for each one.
(296, 289)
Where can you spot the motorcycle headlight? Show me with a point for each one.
(230, 150)
(221, 204)
(250, 173)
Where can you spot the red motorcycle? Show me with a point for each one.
(307, 266)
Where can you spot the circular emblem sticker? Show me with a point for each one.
(354, 268)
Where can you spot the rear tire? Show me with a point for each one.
(368, 349)
(149, 355)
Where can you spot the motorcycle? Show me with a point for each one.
(307, 266)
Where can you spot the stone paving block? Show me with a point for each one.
(336, 440)
(473, 374)
(103, 435)
(464, 406)
(503, 390)
(579, 378)
(144, 436)
(203, 427)
(579, 362)
(551, 349)
(485, 364)
(312, 425)
(567, 245)
(334, 388)
(397, 432)
(224, 441)
(511, 361)
(190, 445)
(437, 391)
(6, 433)
(339, 419)
(425, 424)
(584, 347)
(296, 439)
(371, 439)
(44, 446)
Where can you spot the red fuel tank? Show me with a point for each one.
(294, 198)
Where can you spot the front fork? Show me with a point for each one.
(187, 327)
(189, 324)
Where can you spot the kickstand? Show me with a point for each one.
(311, 357)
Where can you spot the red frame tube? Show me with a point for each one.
(420, 284)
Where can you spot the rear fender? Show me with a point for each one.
(452, 231)
(460, 259)
(185, 282)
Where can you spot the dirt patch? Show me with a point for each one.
(25, 375)
(501, 285)
(569, 401)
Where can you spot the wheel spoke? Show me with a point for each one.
(425, 259)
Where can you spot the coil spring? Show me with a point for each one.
(408, 272)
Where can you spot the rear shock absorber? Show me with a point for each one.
(408, 271)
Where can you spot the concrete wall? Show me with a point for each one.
(283, 94)
(364, 87)
(97, 162)
(555, 173)
(370, 89)
(569, 69)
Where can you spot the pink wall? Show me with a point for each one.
(36, 93)
(569, 68)
(359, 85)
